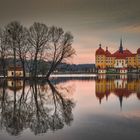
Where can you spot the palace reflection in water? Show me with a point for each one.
(119, 85)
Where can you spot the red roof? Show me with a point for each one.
(18, 68)
(120, 55)
(117, 54)
(100, 95)
(138, 95)
(127, 52)
(100, 51)
(123, 92)
(102, 68)
(107, 53)
(123, 68)
(138, 51)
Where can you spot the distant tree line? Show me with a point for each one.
(76, 68)
(34, 45)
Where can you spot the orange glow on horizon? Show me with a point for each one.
(86, 55)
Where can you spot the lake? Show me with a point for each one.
(72, 108)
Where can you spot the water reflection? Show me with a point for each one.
(123, 86)
(37, 106)
(32, 108)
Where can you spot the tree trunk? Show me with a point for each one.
(35, 66)
(24, 71)
(53, 67)
(3, 67)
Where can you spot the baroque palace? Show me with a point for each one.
(121, 61)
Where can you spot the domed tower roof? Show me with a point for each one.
(107, 52)
(100, 51)
(138, 51)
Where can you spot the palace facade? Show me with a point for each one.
(121, 61)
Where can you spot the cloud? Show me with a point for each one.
(90, 21)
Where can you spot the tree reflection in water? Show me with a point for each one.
(40, 107)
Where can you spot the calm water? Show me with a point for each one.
(79, 108)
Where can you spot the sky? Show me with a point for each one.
(90, 21)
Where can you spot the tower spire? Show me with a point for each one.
(121, 100)
(121, 42)
(106, 48)
(121, 46)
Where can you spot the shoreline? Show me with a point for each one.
(67, 75)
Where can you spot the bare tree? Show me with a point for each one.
(38, 38)
(60, 48)
(23, 48)
(39, 44)
(13, 30)
(3, 50)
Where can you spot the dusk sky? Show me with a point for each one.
(90, 21)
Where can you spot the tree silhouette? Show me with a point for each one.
(60, 47)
